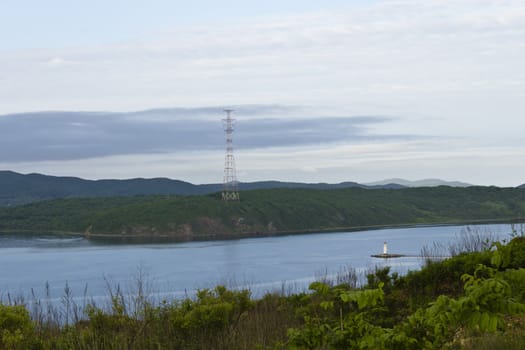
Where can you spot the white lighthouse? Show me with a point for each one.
(385, 249)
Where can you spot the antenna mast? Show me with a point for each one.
(230, 190)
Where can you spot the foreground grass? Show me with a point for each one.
(474, 300)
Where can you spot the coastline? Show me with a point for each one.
(169, 238)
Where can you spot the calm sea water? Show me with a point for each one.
(177, 269)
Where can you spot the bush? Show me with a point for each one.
(16, 328)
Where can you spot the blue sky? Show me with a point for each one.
(359, 90)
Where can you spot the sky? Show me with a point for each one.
(325, 91)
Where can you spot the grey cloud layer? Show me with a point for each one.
(78, 135)
(384, 57)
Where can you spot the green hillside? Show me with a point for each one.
(19, 189)
(265, 211)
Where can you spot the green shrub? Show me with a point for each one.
(16, 328)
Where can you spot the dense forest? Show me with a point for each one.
(474, 300)
(265, 212)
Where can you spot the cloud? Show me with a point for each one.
(452, 69)
(57, 62)
(382, 58)
(45, 136)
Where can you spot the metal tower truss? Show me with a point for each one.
(230, 186)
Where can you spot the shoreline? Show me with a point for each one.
(166, 238)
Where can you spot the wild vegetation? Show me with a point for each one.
(266, 212)
(474, 300)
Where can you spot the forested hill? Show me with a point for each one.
(17, 189)
(265, 211)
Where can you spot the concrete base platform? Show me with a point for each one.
(387, 256)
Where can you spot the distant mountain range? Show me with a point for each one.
(17, 189)
(420, 183)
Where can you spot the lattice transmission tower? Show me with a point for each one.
(230, 186)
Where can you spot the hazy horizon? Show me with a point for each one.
(415, 182)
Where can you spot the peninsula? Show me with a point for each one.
(265, 212)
